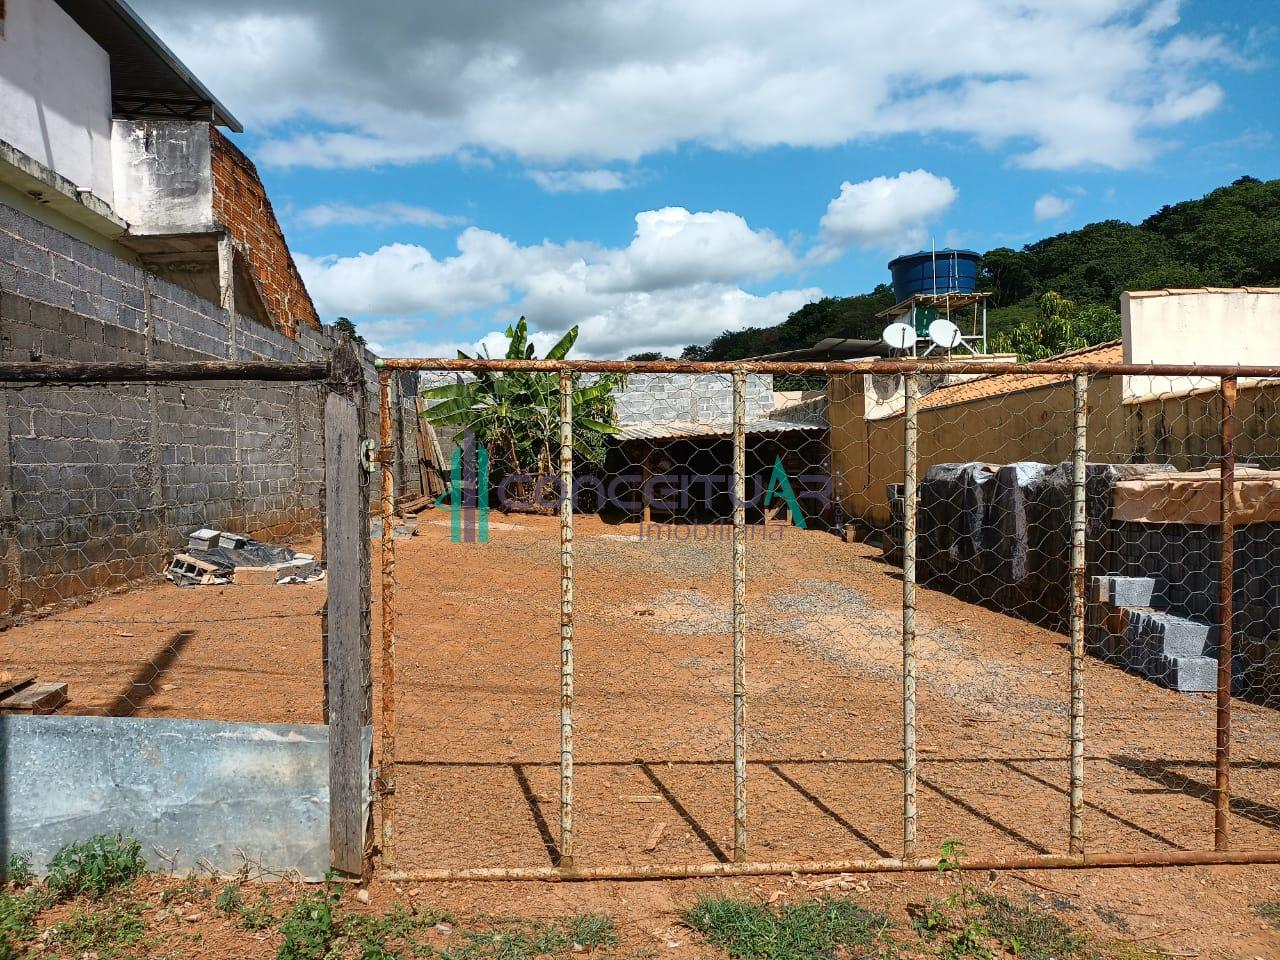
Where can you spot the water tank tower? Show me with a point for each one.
(931, 273)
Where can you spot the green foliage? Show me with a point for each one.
(1027, 932)
(850, 318)
(259, 917)
(516, 416)
(524, 940)
(1268, 911)
(105, 932)
(310, 928)
(18, 872)
(811, 930)
(18, 912)
(647, 355)
(1229, 238)
(1058, 326)
(229, 902)
(346, 328)
(95, 867)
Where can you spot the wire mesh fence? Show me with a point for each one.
(109, 485)
(834, 615)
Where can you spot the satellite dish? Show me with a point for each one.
(945, 334)
(900, 336)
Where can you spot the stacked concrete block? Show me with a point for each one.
(1128, 625)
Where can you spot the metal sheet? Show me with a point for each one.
(194, 793)
(680, 429)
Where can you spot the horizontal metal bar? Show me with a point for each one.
(1045, 861)
(814, 367)
(59, 372)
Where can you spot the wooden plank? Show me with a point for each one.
(347, 641)
(417, 505)
(11, 682)
(37, 699)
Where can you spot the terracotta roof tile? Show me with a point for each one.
(996, 385)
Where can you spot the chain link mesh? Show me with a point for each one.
(1001, 470)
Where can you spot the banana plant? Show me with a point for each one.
(516, 415)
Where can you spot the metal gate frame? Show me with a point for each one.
(912, 370)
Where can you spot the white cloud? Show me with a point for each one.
(579, 181)
(889, 213)
(330, 83)
(1051, 207)
(384, 214)
(675, 283)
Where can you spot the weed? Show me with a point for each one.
(1269, 911)
(18, 912)
(523, 940)
(104, 932)
(95, 866)
(949, 854)
(18, 871)
(309, 929)
(229, 901)
(258, 917)
(373, 934)
(189, 890)
(812, 930)
(1031, 934)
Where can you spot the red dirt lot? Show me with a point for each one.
(477, 780)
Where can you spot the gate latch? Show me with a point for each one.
(369, 459)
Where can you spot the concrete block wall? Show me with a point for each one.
(99, 484)
(662, 397)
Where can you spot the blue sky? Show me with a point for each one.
(659, 172)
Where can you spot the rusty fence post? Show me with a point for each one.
(1078, 526)
(387, 763)
(911, 392)
(566, 619)
(739, 616)
(1226, 572)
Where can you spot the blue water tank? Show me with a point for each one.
(956, 271)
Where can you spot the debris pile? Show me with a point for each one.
(215, 556)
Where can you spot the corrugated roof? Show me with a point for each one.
(147, 78)
(692, 429)
(999, 384)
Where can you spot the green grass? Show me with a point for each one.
(524, 940)
(1030, 933)
(811, 930)
(978, 925)
(106, 932)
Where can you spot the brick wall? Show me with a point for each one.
(99, 484)
(241, 204)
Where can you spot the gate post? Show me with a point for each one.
(348, 667)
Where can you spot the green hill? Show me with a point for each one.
(1229, 238)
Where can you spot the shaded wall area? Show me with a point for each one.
(99, 484)
(1180, 429)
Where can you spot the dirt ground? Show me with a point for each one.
(478, 706)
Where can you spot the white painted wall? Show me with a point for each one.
(1198, 326)
(163, 175)
(55, 94)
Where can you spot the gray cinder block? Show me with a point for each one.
(1130, 591)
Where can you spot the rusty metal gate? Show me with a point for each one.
(1056, 579)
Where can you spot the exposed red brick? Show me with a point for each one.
(241, 204)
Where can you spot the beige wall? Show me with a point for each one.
(1038, 425)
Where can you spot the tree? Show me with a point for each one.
(1010, 273)
(348, 329)
(647, 355)
(516, 415)
(1060, 325)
